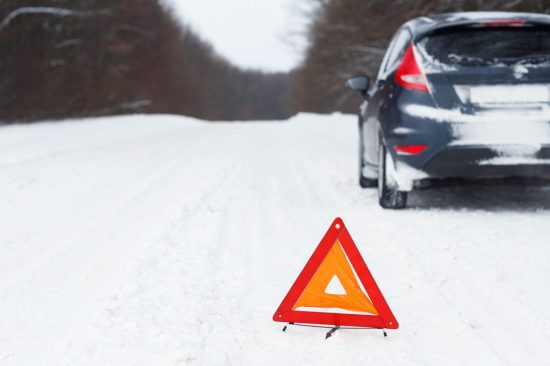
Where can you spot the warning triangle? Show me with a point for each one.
(335, 266)
(357, 300)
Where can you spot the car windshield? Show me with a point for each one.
(489, 46)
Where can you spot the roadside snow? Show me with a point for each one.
(163, 240)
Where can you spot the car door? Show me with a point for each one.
(380, 93)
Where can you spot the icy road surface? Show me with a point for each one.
(167, 241)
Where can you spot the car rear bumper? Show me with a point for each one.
(471, 162)
(488, 162)
(460, 145)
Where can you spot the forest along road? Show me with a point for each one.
(164, 240)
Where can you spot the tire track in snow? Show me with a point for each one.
(178, 262)
(84, 222)
(129, 204)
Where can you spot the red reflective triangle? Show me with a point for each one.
(337, 233)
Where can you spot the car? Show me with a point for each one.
(459, 96)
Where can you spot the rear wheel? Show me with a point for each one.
(388, 194)
(365, 181)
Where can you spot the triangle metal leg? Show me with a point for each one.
(286, 326)
(332, 331)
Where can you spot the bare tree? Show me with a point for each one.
(72, 58)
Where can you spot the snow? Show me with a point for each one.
(491, 15)
(162, 240)
(516, 125)
(514, 160)
(405, 176)
(335, 287)
(429, 64)
(504, 114)
(60, 12)
(520, 70)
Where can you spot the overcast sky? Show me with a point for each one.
(249, 33)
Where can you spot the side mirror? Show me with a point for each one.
(359, 83)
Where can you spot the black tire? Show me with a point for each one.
(367, 182)
(388, 197)
(364, 182)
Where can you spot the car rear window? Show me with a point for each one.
(489, 46)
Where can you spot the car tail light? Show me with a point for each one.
(409, 75)
(410, 149)
(504, 23)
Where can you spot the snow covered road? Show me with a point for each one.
(163, 240)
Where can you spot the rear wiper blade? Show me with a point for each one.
(533, 59)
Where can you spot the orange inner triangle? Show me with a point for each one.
(335, 264)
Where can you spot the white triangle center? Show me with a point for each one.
(335, 287)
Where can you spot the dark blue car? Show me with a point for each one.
(462, 96)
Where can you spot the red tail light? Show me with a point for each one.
(409, 75)
(410, 149)
(504, 23)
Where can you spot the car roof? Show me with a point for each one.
(423, 25)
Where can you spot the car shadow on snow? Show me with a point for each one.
(494, 195)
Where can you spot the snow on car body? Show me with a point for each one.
(464, 95)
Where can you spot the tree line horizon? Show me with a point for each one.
(80, 58)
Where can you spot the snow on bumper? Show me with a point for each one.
(403, 175)
(505, 126)
(513, 142)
